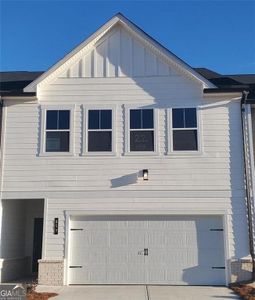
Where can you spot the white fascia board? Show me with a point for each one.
(232, 95)
(32, 87)
(32, 98)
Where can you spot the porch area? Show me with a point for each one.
(21, 232)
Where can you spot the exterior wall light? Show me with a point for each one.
(145, 174)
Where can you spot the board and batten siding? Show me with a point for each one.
(118, 54)
(209, 181)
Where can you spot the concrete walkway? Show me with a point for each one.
(138, 292)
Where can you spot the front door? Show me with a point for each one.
(37, 243)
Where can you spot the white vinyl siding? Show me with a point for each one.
(211, 181)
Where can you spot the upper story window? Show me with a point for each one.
(57, 136)
(141, 130)
(99, 130)
(185, 129)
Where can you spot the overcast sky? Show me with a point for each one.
(219, 35)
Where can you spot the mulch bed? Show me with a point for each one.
(40, 296)
(246, 291)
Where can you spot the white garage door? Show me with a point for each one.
(181, 250)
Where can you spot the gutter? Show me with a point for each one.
(248, 179)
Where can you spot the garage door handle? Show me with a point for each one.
(144, 252)
(74, 267)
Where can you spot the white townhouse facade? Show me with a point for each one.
(121, 166)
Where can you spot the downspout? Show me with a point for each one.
(248, 180)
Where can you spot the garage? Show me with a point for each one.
(142, 249)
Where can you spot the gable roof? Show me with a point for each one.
(119, 18)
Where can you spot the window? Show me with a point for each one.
(100, 130)
(57, 137)
(141, 130)
(184, 126)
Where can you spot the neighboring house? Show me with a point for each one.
(128, 165)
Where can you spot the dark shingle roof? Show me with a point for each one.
(12, 83)
(230, 83)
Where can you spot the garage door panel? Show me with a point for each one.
(216, 258)
(160, 256)
(136, 238)
(181, 250)
(213, 239)
(209, 223)
(136, 275)
(118, 237)
(117, 273)
(175, 239)
(117, 256)
(155, 275)
(95, 275)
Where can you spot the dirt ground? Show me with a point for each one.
(245, 290)
(40, 296)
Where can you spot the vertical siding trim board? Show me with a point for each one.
(45, 221)
(2, 149)
(227, 247)
(3, 130)
(84, 129)
(42, 129)
(68, 214)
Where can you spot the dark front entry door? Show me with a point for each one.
(37, 243)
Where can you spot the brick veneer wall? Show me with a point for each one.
(51, 272)
(241, 270)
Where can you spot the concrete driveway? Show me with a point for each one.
(139, 292)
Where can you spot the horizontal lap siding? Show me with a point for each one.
(210, 181)
(237, 223)
(24, 170)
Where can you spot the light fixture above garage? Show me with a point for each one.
(145, 174)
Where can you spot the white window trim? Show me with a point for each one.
(127, 132)
(170, 128)
(86, 109)
(43, 110)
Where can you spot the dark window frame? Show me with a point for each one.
(174, 129)
(111, 130)
(146, 129)
(57, 130)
